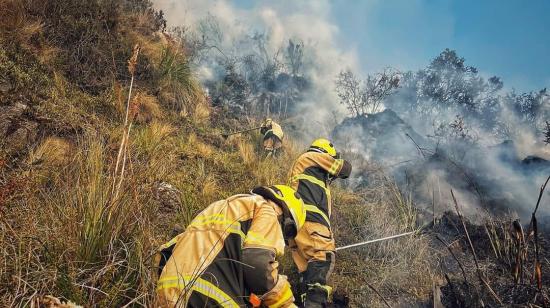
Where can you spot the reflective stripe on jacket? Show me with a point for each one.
(309, 177)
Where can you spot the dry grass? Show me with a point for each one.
(194, 147)
(201, 112)
(150, 140)
(246, 150)
(47, 161)
(400, 269)
(73, 239)
(52, 152)
(148, 109)
(180, 90)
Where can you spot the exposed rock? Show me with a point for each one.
(383, 136)
(535, 160)
(167, 195)
(17, 129)
(9, 114)
(177, 229)
(5, 87)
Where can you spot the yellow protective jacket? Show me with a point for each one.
(270, 128)
(309, 177)
(226, 253)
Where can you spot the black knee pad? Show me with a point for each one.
(319, 271)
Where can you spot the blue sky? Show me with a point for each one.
(507, 38)
(510, 39)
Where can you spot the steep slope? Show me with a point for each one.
(108, 148)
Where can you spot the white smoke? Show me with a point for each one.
(308, 21)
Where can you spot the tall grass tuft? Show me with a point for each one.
(178, 85)
(73, 241)
(99, 214)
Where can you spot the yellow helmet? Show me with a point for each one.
(324, 146)
(291, 203)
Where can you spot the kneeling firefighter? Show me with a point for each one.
(273, 136)
(226, 256)
(313, 248)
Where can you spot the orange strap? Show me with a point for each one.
(254, 300)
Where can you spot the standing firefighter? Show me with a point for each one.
(226, 256)
(273, 136)
(313, 248)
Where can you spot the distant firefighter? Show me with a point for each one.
(273, 137)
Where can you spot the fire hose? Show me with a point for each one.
(225, 135)
(375, 240)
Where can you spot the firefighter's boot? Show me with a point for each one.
(316, 296)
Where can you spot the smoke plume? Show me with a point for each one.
(277, 22)
(446, 127)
